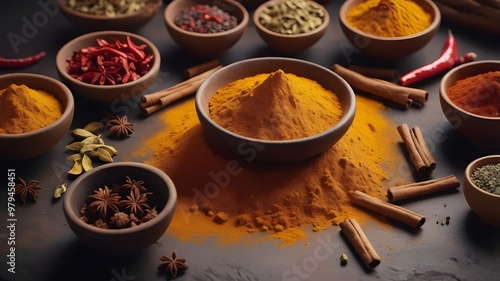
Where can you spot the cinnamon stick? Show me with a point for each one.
(387, 209)
(153, 102)
(418, 151)
(412, 190)
(200, 68)
(402, 95)
(356, 236)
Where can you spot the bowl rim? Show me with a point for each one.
(155, 67)
(170, 205)
(62, 4)
(67, 112)
(434, 24)
(444, 95)
(321, 28)
(241, 25)
(477, 162)
(343, 120)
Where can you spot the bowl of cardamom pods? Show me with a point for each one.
(126, 15)
(120, 208)
(291, 26)
(482, 188)
(36, 114)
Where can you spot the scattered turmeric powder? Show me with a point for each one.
(25, 109)
(389, 18)
(279, 199)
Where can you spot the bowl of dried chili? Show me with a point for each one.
(204, 28)
(120, 208)
(470, 101)
(107, 66)
(109, 15)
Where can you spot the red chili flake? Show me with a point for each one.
(109, 63)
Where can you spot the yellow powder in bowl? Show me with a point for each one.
(24, 109)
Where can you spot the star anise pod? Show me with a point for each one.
(27, 190)
(120, 220)
(131, 184)
(173, 264)
(136, 202)
(119, 126)
(103, 200)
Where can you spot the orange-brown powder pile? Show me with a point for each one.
(279, 199)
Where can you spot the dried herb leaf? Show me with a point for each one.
(60, 189)
(87, 163)
(104, 155)
(75, 146)
(77, 168)
(93, 126)
(81, 133)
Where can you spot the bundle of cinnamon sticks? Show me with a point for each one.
(419, 153)
(153, 102)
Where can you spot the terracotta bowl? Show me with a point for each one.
(483, 203)
(206, 45)
(389, 48)
(275, 151)
(107, 93)
(477, 129)
(126, 22)
(126, 241)
(289, 43)
(35, 143)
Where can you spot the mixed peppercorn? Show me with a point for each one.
(205, 19)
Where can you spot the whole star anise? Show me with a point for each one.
(173, 264)
(119, 126)
(131, 184)
(27, 190)
(103, 200)
(136, 202)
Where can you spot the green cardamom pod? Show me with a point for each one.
(112, 151)
(104, 155)
(75, 146)
(87, 163)
(93, 126)
(60, 189)
(81, 133)
(74, 157)
(77, 168)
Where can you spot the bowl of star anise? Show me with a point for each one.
(108, 66)
(120, 208)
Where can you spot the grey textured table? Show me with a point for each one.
(46, 249)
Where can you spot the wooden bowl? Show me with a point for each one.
(289, 43)
(483, 203)
(479, 130)
(125, 241)
(389, 48)
(206, 45)
(125, 22)
(32, 144)
(107, 93)
(275, 151)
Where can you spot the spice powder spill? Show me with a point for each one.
(279, 199)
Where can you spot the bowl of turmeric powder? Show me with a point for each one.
(470, 101)
(274, 109)
(36, 113)
(389, 29)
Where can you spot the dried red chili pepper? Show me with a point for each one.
(21, 62)
(110, 63)
(446, 60)
(467, 57)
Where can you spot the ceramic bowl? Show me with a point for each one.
(475, 128)
(266, 150)
(389, 48)
(35, 143)
(289, 43)
(126, 241)
(107, 93)
(483, 203)
(206, 45)
(125, 22)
